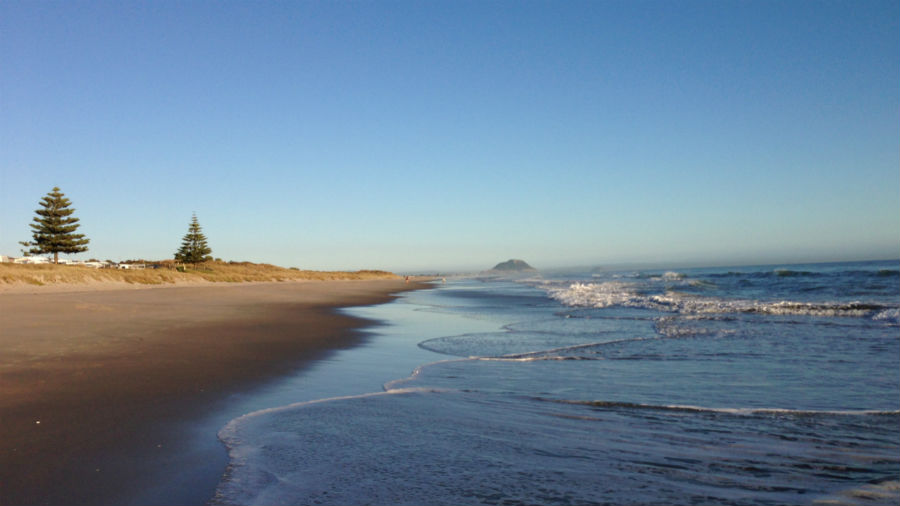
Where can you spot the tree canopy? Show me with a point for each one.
(193, 248)
(53, 230)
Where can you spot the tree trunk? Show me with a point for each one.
(56, 257)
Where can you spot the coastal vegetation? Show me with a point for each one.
(168, 272)
(54, 228)
(194, 248)
(55, 232)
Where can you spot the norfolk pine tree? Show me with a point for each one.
(193, 246)
(53, 230)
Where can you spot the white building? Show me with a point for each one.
(96, 265)
(31, 260)
(131, 266)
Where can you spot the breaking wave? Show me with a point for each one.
(617, 293)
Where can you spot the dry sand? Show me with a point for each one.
(93, 382)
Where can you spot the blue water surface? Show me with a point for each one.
(745, 385)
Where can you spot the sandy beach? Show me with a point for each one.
(95, 383)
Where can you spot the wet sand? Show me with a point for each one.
(97, 387)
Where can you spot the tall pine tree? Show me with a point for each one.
(193, 246)
(53, 230)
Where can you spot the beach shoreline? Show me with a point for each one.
(99, 385)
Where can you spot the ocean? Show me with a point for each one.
(728, 385)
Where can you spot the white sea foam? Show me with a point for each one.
(888, 315)
(253, 476)
(395, 385)
(598, 295)
(688, 326)
(615, 293)
(537, 358)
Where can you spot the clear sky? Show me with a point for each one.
(417, 134)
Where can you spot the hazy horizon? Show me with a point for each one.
(451, 136)
(639, 266)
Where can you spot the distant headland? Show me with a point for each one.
(513, 265)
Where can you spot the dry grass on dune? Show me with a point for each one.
(169, 273)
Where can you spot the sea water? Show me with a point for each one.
(745, 385)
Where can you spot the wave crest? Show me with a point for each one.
(730, 411)
(616, 293)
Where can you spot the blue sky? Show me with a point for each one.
(445, 135)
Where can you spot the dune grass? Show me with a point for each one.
(170, 273)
